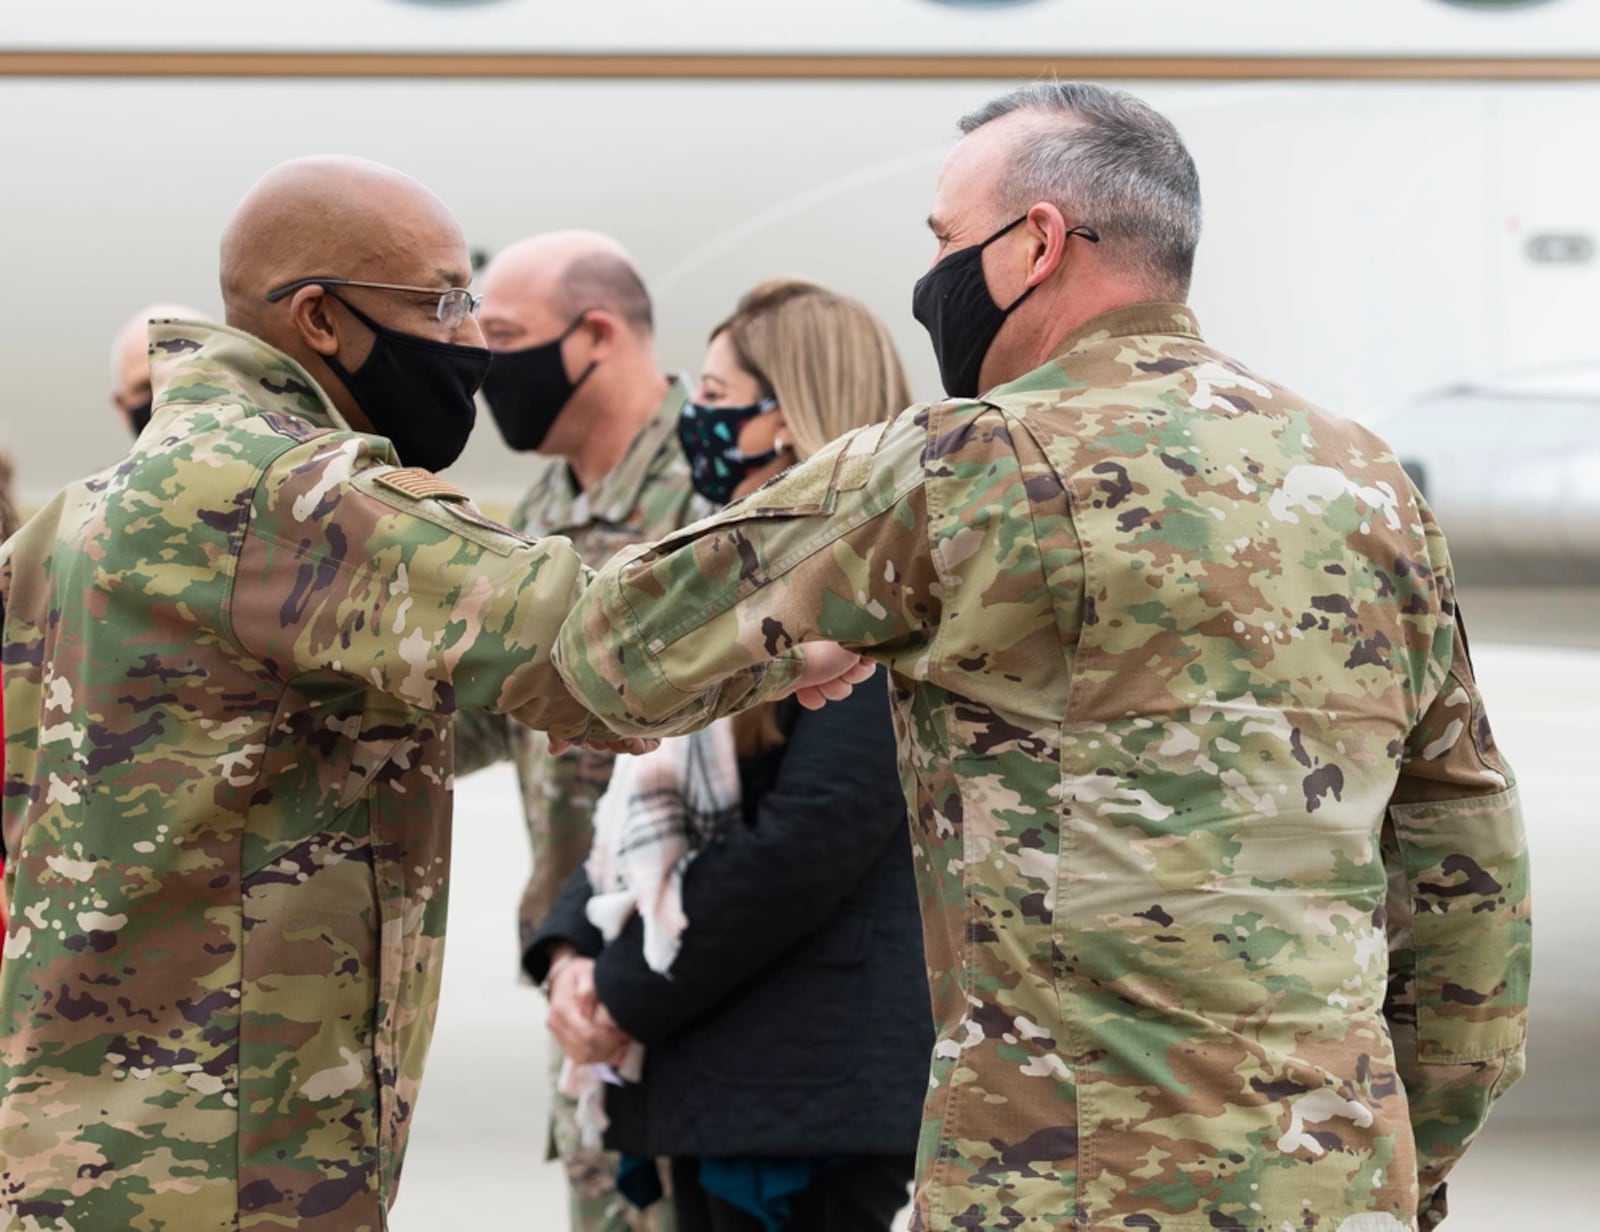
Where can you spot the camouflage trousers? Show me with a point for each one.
(593, 1203)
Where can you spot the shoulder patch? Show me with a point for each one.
(468, 512)
(419, 484)
(855, 462)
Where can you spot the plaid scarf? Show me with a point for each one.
(660, 809)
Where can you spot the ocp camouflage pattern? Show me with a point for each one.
(648, 494)
(1224, 879)
(230, 665)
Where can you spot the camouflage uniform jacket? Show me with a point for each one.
(1182, 702)
(645, 496)
(230, 663)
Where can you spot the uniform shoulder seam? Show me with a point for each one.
(236, 545)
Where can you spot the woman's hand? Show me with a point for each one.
(586, 1033)
(605, 1022)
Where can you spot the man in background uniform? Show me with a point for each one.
(130, 362)
(230, 667)
(576, 382)
(1224, 878)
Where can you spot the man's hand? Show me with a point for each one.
(606, 744)
(831, 672)
(575, 1016)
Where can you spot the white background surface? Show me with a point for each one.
(1142, 27)
(476, 1157)
(1363, 243)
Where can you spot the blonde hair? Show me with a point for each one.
(831, 364)
(827, 359)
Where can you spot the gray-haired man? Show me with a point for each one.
(1224, 878)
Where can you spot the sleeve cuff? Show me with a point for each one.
(536, 958)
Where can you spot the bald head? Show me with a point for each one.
(336, 216)
(342, 217)
(130, 360)
(537, 287)
(579, 292)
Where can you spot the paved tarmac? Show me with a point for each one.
(476, 1159)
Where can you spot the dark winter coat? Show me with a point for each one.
(796, 1018)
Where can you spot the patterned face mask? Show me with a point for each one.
(710, 439)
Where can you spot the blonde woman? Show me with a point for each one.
(772, 967)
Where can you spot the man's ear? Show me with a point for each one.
(604, 329)
(1046, 231)
(309, 312)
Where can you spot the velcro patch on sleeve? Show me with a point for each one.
(855, 463)
(419, 484)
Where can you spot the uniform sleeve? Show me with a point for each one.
(1460, 931)
(481, 738)
(703, 623)
(762, 888)
(341, 574)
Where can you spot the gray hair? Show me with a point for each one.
(602, 280)
(1110, 162)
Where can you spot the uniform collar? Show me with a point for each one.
(617, 493)
(193, 362)
(1132, 321)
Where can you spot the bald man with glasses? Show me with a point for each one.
(231, 666)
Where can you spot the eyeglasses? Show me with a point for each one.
(456, 304)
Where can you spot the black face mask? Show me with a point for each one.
(528, 389)
(139, 416)
(953, 303)
(710, 439)
(417, 392)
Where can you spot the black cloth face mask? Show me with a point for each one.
(139, 416)
(528, 389)
(415, 391)
(710, 439)
(953, 303)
